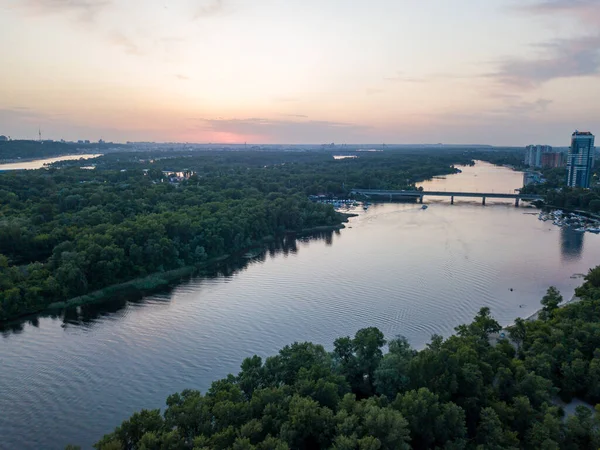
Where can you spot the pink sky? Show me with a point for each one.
(301, 71)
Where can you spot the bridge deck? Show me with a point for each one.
(447, 194)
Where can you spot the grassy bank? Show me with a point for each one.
(145, 285)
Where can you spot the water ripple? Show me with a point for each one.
(406, 271)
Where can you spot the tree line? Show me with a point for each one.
(558, 194)
(464, 392)
(67, 231)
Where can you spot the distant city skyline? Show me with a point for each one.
(500, 72)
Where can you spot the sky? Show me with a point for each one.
(499, 72)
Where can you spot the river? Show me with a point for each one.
(408, 271)
(39, 163)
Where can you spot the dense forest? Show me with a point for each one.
(465, 392)
(66, 231)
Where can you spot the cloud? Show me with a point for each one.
(588, 11)
(286, 99)
(209, 8)
(524, 107)
(561, 58)
(374, 91)
(401, 77)
(181, 77)
(300, 116)
(283, 131)
(121, 40)
(85, 10)
(564, 58)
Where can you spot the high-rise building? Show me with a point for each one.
(580, 159)
(533, 154)
(553, 160)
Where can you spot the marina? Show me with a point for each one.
(577, 222)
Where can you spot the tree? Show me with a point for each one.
(582, 430)
(392, 374)
(518, 332)
(359, 358)
(593, 277)
(388, 427)
(130, 432)
(309, 425)
(482, 326)
(551, 300)
(491, 435)
(431, 423)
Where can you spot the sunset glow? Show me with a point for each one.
(497, 72)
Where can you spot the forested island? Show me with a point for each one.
(68, 234)
(464, 392)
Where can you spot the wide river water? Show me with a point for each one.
(39, 163)
(408, 271)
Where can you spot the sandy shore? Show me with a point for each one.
(494, 338)
(535, 315)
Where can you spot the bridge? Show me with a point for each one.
(420, 194)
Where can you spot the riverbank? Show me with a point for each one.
(494, 338)
(26, 160)
(159, 281)
(535, 315)
(39, 163)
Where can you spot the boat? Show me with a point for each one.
(423, 206)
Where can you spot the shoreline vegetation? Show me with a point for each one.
(158, 281)
(143, 218)
(531, 390)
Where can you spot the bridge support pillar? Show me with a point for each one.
(421, 199)
(483, 201)
(452, 200)
(517, 202)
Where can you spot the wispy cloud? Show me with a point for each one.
(119, 39)
(402, 77)
(521, 107)
(28, 115)
(374, 91)
(284, 130)
(286, 99)
(209, 8)
(299, 116)
(84, 9)
(181, 77)
(561, 58)
(588, 11)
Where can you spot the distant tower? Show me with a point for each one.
(40, 134)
